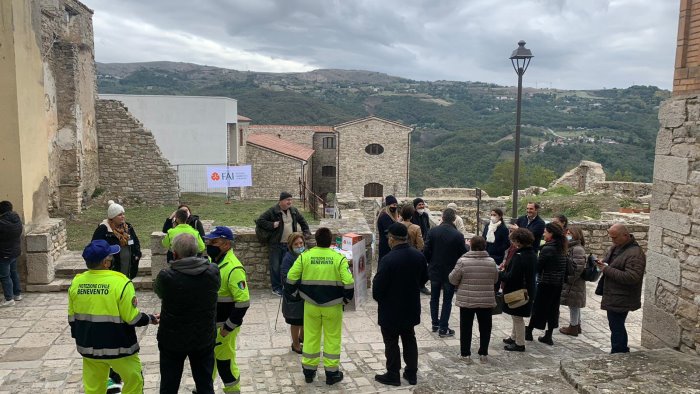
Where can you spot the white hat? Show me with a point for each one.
(114, 209)
(452, 205)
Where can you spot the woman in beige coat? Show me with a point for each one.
(474, 277)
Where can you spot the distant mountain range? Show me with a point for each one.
(461, 129)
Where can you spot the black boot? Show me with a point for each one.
(334, 377)
(309, 375)
(528, 334)
(389, 379)
(547, 338)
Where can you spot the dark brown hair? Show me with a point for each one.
(522, 236)
(477, 243)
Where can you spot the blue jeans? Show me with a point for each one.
(435, 288)
(9, 278)
(277, 251)
(618, 333)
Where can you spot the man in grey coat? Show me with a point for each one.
(623, 271)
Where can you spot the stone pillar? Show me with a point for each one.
(45, 243)
(672, 287)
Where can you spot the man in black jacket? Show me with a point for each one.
(422, 219)
(443, 247)
(188, 288)
(10, 235)
(396, 288)
(533, 222)
(281, 220)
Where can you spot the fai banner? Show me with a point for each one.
(223, 176)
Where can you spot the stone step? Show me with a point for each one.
(71, 263)
(61, 284)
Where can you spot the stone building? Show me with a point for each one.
(366, 157)
(672, 283)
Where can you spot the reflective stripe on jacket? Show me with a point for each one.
(322, 277)
(102, 313)
(233, 297)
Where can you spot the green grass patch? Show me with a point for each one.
(147, 219)
(561, 190)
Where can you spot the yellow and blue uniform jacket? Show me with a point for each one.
(233, 298)
(180, 229)
(102, 313)
(322, 277)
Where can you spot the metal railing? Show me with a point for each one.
(311, 201)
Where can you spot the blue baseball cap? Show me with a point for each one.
(220, 232)
(98, 250)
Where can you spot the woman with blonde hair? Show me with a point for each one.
(293, 308)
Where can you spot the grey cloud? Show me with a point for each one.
(577, 44)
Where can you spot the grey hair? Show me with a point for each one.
(184, 245)
(449, 215)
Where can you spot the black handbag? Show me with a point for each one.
(599, 288)
(498, 309)
(590, 273)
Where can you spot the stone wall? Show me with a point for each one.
(274, 173)
(356, 167)
(672, 287)
(685, 76)
(302, 135)
(255, 256)
(70, 90)
(323, 157)
(131, 164)
(582, 177)
(451, 192)
(44, 244)
(625, 189)
(596, 234)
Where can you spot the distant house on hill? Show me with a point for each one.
(368, 157)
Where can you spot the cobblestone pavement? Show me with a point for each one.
(37, 353)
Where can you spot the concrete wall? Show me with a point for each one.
(188, 129)
(356, 168)
(274, 173)
(131, 164)
(24, 166)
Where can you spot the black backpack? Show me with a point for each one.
(264, 236)
(590, 273)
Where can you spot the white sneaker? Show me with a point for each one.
(7, 303)
(18, 297)
(466, 359)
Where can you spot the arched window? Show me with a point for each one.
(374, 190)
(374, 149)
(328, 171)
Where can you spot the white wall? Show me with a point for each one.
(188, 130)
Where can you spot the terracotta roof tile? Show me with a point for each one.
(279, 145)
(282, 128)
(242, 118)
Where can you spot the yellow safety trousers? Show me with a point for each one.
(225, 355)
(326, 319)
(96, 372)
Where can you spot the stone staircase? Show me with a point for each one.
(71, 263)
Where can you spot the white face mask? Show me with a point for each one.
(494, 219)
(569, 237)
(420, 211)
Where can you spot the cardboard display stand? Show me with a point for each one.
(357, 261)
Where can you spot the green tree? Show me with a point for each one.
(501, 181)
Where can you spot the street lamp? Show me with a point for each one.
(520, 58)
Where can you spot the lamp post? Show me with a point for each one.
(520, 58)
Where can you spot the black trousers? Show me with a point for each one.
(393, 353)
(172, 363)
(466, 321)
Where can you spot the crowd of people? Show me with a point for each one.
(205, 295)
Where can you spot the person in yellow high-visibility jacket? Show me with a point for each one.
(232, 304)
(102, 313)
(322, 277)
(181, 216)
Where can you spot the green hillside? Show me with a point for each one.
(462, 130)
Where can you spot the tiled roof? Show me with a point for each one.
(371, 118)
(242, 118)
(279, 145)
(283, 128)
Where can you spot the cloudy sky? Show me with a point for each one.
(577, 44)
